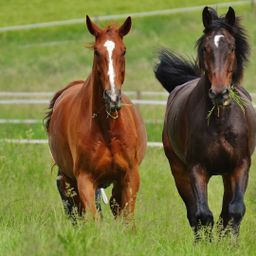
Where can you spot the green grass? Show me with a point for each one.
(47, 59)
(19, 12)
(32, 221)
(37, 131)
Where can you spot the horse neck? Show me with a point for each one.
(202, 90)
(98, 104)
(92, 94)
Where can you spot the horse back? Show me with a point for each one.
(56, 98)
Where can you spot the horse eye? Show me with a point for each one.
(232, 49)
(96, 53)
(124, 52)
(204, 49)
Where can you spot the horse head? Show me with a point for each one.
(109, 60)
(221, 53)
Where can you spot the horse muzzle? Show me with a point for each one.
(220, 99)
(112, 100)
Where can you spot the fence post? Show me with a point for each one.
(138, 96)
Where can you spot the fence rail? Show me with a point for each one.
(50, 94)
(39, 101)
(46, 102)
(153, 144)
(40, 121)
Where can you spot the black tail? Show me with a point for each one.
(174, 70)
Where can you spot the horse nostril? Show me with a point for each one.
(112, 100)
(105, 95)
(225, 92)
(212, 94)
(118, 105)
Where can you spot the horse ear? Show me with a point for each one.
(125, 28)
(207, 17)
(230, 17)
(92, 27)
(213, 13)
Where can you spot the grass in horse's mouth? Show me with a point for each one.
(235, 97)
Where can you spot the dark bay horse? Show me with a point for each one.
(210, 123)
(96, 136)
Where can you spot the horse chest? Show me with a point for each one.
(222, 144)
(222, 152)
(108, 156)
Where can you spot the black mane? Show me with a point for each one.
(174, 70)
(241, 45)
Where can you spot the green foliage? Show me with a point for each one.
(20, 12)
(237, 99)
(47, 59)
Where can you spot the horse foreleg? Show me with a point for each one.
(69, 195)
(184, 187)
(233, 208)
(97, 200)
(227, 197)
(86, 189)
(124, 194)
(204, 218)
(116, 199)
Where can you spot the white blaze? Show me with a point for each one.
(217, 40)
(110, 45)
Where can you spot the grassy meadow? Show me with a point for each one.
(32, 220)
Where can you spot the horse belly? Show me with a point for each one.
(59, 146)
(61, 155)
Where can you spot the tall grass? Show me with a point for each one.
(33, 221)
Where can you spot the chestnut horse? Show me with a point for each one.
(96, 136)
(210, 123)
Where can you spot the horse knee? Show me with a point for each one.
(236, 212)
(204, 217)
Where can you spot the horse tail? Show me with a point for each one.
(174, 70)
(47, 118)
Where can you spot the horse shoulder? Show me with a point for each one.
(93, 153)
